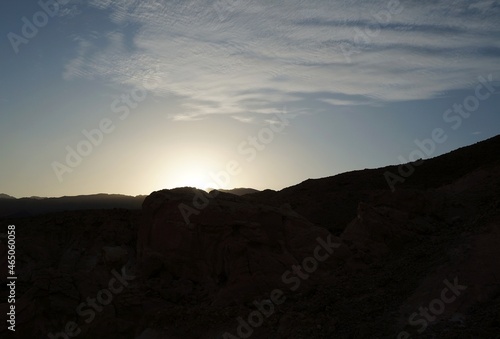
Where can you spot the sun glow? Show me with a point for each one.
(195, 165)
(191, 177)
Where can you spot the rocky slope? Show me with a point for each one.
(332, 202)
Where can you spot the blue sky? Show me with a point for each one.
(176, 88)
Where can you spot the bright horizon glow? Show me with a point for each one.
(188, 177)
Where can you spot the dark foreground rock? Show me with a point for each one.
(233, 248)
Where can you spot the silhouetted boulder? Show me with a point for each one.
(234, 248)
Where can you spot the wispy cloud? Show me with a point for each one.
(340, 102)
(246, 120)
(260, 55)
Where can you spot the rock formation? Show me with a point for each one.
(234, 248)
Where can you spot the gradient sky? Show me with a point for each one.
(358, 81)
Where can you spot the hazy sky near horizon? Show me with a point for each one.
(135, 96)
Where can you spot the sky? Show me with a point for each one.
(129, 97)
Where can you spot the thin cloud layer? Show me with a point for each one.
(252, 57)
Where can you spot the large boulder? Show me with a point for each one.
(234, 248)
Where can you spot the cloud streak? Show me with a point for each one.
(251, 57)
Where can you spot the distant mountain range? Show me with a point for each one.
(25, 207)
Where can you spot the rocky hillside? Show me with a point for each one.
(339, 257)
(332, 202)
